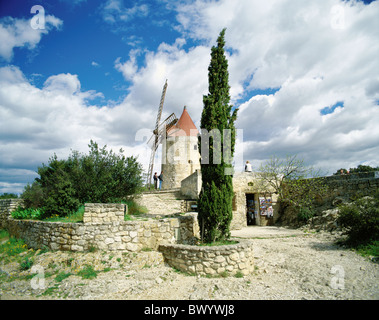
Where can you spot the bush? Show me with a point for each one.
(26, 264)
(6, 195)
(101, 176)
(33, 195)
(134, 208)
(305, 214)
(87, 272)
(361, 220)
(28, 213)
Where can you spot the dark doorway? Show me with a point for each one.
(250, 209)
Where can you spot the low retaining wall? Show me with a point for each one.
(103, 228)
(6, 207)
(207, 260)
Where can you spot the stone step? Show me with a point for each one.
(161, 202)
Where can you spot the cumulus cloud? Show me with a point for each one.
(35, 123)
(186, 71)
(319, 60)
(315, 54)
(19, 33)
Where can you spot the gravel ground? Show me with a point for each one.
(287, 266)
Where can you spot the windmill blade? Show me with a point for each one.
(152, 141)
(156, 138)
(161, 105)
(158, 135)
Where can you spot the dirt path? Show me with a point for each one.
(289, 265)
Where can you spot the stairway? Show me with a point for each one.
(161, 202)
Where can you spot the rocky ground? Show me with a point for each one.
(298, 265)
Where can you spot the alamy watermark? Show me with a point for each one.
(38, 281)
(179, 148)
(338, 281)
(38, 20)
(337, 19)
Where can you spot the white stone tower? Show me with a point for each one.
(180, 154)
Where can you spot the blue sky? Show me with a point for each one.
(90, 39)
(305, 75)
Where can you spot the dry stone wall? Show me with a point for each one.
(351, 185)
(210, 260)
(104, 212)
(340, 189)
(6, 207)
(103, 228)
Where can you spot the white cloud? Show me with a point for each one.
(316, 59)
(114, 11)
(290, 45)
(185, 70)
(65, 83)
(35, 123)
(19, 33)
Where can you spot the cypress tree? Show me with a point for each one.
(215, 199)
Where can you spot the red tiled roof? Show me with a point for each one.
(184, 126)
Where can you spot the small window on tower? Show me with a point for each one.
(195, 147)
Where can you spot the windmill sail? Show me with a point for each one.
(156, 137)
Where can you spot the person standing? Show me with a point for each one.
(248, 167)
(160, 180)
(155, 181)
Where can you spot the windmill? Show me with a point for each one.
(159, 133)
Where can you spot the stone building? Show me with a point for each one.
(251, 206)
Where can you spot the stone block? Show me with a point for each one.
(133, 234)
(108, 240)
(131, 247)
(220, 259)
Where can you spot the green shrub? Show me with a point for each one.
(33, 195)
(101, 176)
(28, 213)
(134, 208)
(7, 195)
(305, 214)
(87, 272)
(62, 275)
(361, 220)
(59, 194)
(26, 264)
(12, 247)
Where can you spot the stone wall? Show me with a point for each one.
(191, 186)
(6, 207)
(99, 233)
(210, 260)
(340, 189)
(160, 202)
(104, 212)
(351, 185)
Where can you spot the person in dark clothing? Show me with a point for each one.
(155, 181)
(160, 180)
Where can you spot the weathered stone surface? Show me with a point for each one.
(97, 232)
(210, 260)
